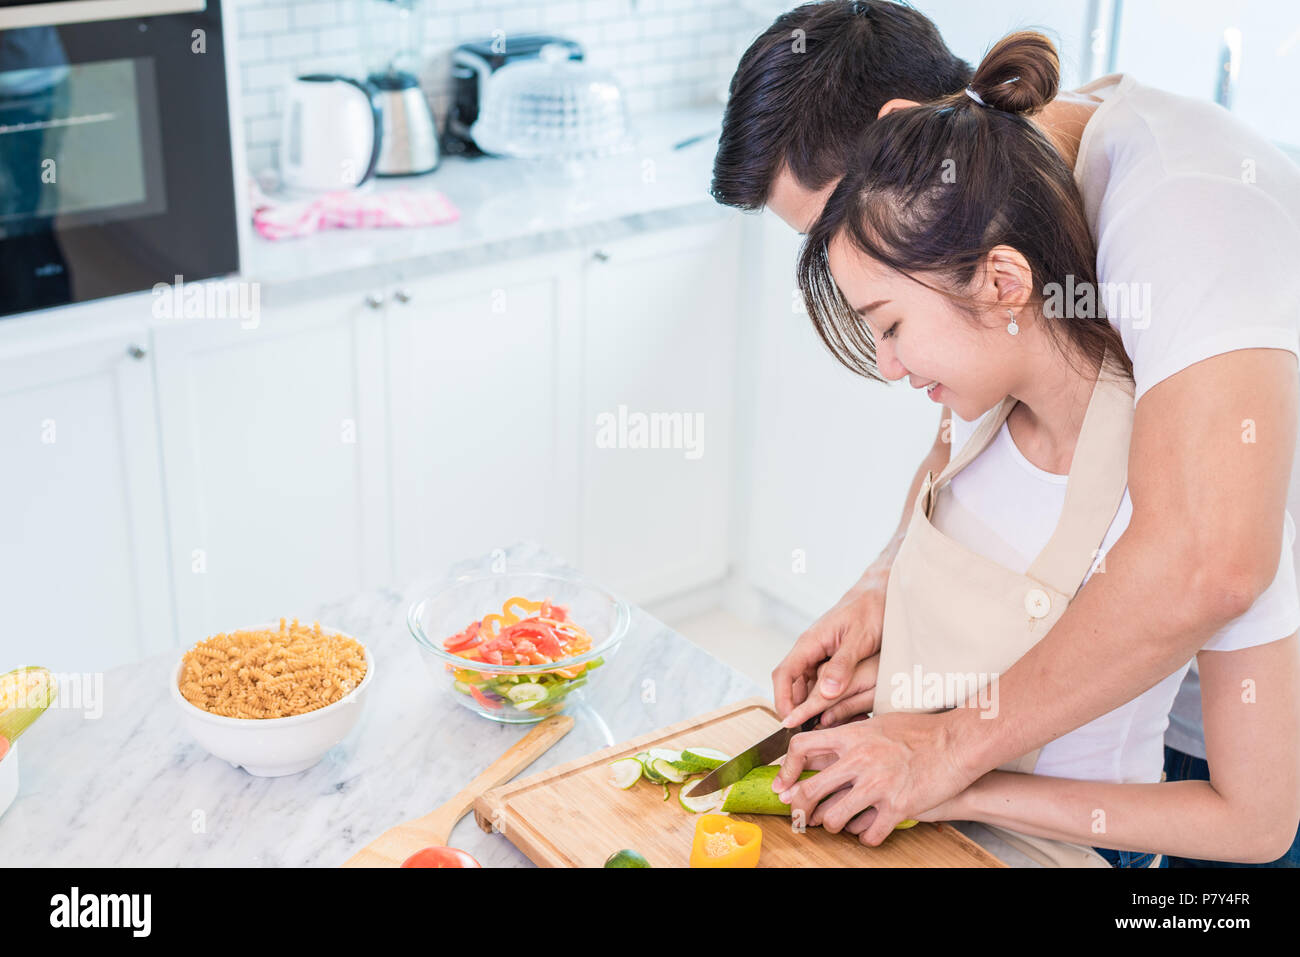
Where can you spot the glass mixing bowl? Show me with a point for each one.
(516, 694)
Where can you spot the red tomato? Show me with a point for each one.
(483, 699)
(440, 857)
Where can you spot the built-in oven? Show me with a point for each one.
(115, 149)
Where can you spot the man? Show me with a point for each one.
(1182, 199)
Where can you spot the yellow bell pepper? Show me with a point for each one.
(721, 841)
(508, 609)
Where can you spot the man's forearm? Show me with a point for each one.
(1198, 550)
(1129, 627)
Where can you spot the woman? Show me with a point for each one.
(941, 257)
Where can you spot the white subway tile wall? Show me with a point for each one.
(665, 53)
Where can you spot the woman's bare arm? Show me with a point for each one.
(1248, 810)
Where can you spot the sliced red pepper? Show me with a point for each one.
(483, 699)
(466, 638)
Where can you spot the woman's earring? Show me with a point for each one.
(1011, 326)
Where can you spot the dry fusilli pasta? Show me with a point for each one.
(271, 674)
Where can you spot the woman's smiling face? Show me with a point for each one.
(921, 334)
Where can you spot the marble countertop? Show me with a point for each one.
(131, 788)
(122, 784)
(509, 209)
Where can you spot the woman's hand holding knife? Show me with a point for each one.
(832, 667)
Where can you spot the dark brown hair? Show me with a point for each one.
(800, 99)
(932, 189)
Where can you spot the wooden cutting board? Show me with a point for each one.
(571, 816)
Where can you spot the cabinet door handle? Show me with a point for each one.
(375, 300)
(600, 256)
(137, 352)
(402, 295)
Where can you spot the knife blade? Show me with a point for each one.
(764, 752)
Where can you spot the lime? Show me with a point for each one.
(626, 858)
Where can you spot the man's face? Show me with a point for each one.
(798, 206)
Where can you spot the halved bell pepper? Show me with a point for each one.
(721, 841)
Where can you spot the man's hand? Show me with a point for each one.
(902, 765)
(828, 663)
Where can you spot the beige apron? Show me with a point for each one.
(955, 618)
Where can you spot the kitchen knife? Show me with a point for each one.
(765, 752)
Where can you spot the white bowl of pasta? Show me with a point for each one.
(273, 699)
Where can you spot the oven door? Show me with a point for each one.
(115, 156)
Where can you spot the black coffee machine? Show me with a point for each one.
(471, 65)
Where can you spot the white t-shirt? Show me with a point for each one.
(1204, 214)
(1199, 210)
(1004, 507)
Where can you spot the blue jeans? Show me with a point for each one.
(1185, 767)
(1127, 858)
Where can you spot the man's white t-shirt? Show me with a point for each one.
(1203, 215)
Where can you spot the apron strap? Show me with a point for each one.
(1095, 489)
(978, 441)
(1093, 493)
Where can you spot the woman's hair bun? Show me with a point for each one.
(1020, 74)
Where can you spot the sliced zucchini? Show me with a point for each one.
(526, 695)
(624, 772)
(694, 760)
(696, 805)
(667, 771)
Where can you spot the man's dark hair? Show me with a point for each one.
(813, 81)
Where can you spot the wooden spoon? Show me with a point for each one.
(434, 829)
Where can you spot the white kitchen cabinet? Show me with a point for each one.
(483, 376)
(829, 455)
(236, 472)
(275, 456)
(659, 339)
(83, 549)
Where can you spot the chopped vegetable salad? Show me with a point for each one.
(525, 633)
